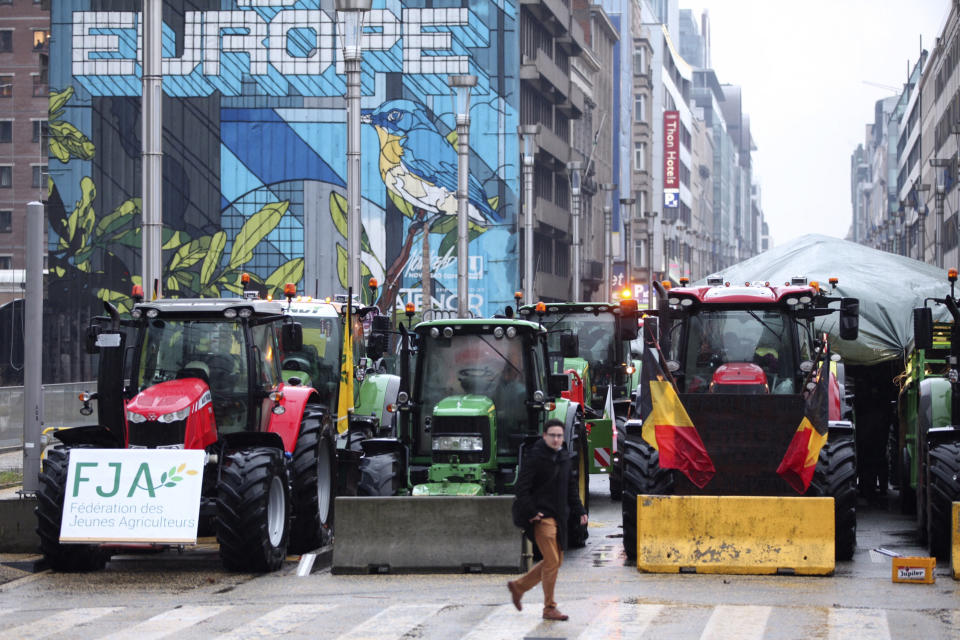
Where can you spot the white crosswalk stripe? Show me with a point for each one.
(506, 623)
(621, 620)
(392, 623)
(167, 623)
(57, 622)
(736, 623)
(277, 622)
(862, 624)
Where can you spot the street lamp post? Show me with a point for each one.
(462, 86)
(608, 189)
(152, 135)
(626, 208)
(353, 12)
(650, 218)
(528, 140)
(575, 168)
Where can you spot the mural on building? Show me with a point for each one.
(254, 145)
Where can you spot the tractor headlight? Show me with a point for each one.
(457, 443)
(175, 415)
(135, 417)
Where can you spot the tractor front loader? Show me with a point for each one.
(437, 496)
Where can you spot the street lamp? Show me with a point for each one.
(528, 140)
(626, 208)
(462, 86)
(575, 168)
(608, 189)
(650, 218)
(353, 12)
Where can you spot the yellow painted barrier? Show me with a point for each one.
(955, 547)
(735, 534)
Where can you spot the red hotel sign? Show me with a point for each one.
(671, 149)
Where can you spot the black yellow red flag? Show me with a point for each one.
(800, 461)
(666, 425)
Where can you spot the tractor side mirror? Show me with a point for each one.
(91, 342)
(291, 336)
(377, 345)
(922, 328)
(569, 345)
(628, 319)
(557, 383)
(849, 318)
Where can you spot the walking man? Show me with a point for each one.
(546, 493)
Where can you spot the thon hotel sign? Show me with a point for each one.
(671, 158)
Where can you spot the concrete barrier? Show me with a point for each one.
(18, 526)
(425, 534)
(735, 535)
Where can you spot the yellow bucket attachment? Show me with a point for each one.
(735, 534)
(955, 547)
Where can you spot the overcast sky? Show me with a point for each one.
(803, 67)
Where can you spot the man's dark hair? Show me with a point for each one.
(553, 422)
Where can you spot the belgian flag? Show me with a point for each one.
(666, 425)
(800, 460)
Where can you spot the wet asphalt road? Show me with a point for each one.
(188, 595)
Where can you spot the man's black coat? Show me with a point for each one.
(547, 485)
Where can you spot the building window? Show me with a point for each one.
(6, 130)
(39, 174)
(40, 39)
(6, 40)
(40, 131)
(639, 62)
(640, 108)
(6, 221)
(6, 86)
(639, 156)
(6, 262)
(6, 176)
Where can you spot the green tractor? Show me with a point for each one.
(479, 395)
(603, 362)
(928, 460)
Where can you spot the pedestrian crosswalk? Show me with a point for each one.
(591, 619)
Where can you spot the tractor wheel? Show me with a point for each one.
(379, 474)
(253, 510)
(314, 480)
(836, 477)
(49, 510)
(943, 489)
(642, 475)
(908, 494)
(577, 533)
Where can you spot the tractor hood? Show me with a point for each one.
(176, 413)
(464, 406)
(169, 397)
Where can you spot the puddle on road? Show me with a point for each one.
(607, 555)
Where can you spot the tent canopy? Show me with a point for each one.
(888, 286)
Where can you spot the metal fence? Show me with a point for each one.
(61, 408)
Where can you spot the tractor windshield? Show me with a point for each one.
(763, 338)
(476, 364)
(319, 359)
(211, 350)
(596, 334)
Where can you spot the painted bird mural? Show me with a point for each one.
(419, 165)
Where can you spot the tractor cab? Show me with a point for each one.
(197, 369)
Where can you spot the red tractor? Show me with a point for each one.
(206, 374)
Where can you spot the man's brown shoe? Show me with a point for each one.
(516, 594)
(553, 613)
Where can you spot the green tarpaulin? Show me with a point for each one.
(888, 286)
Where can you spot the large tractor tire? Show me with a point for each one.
(836, 477)
(49, 510)
(944, 489)
(314, 484)
(379, 474)
(577, 533)
(253, 510)
(642, 475)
